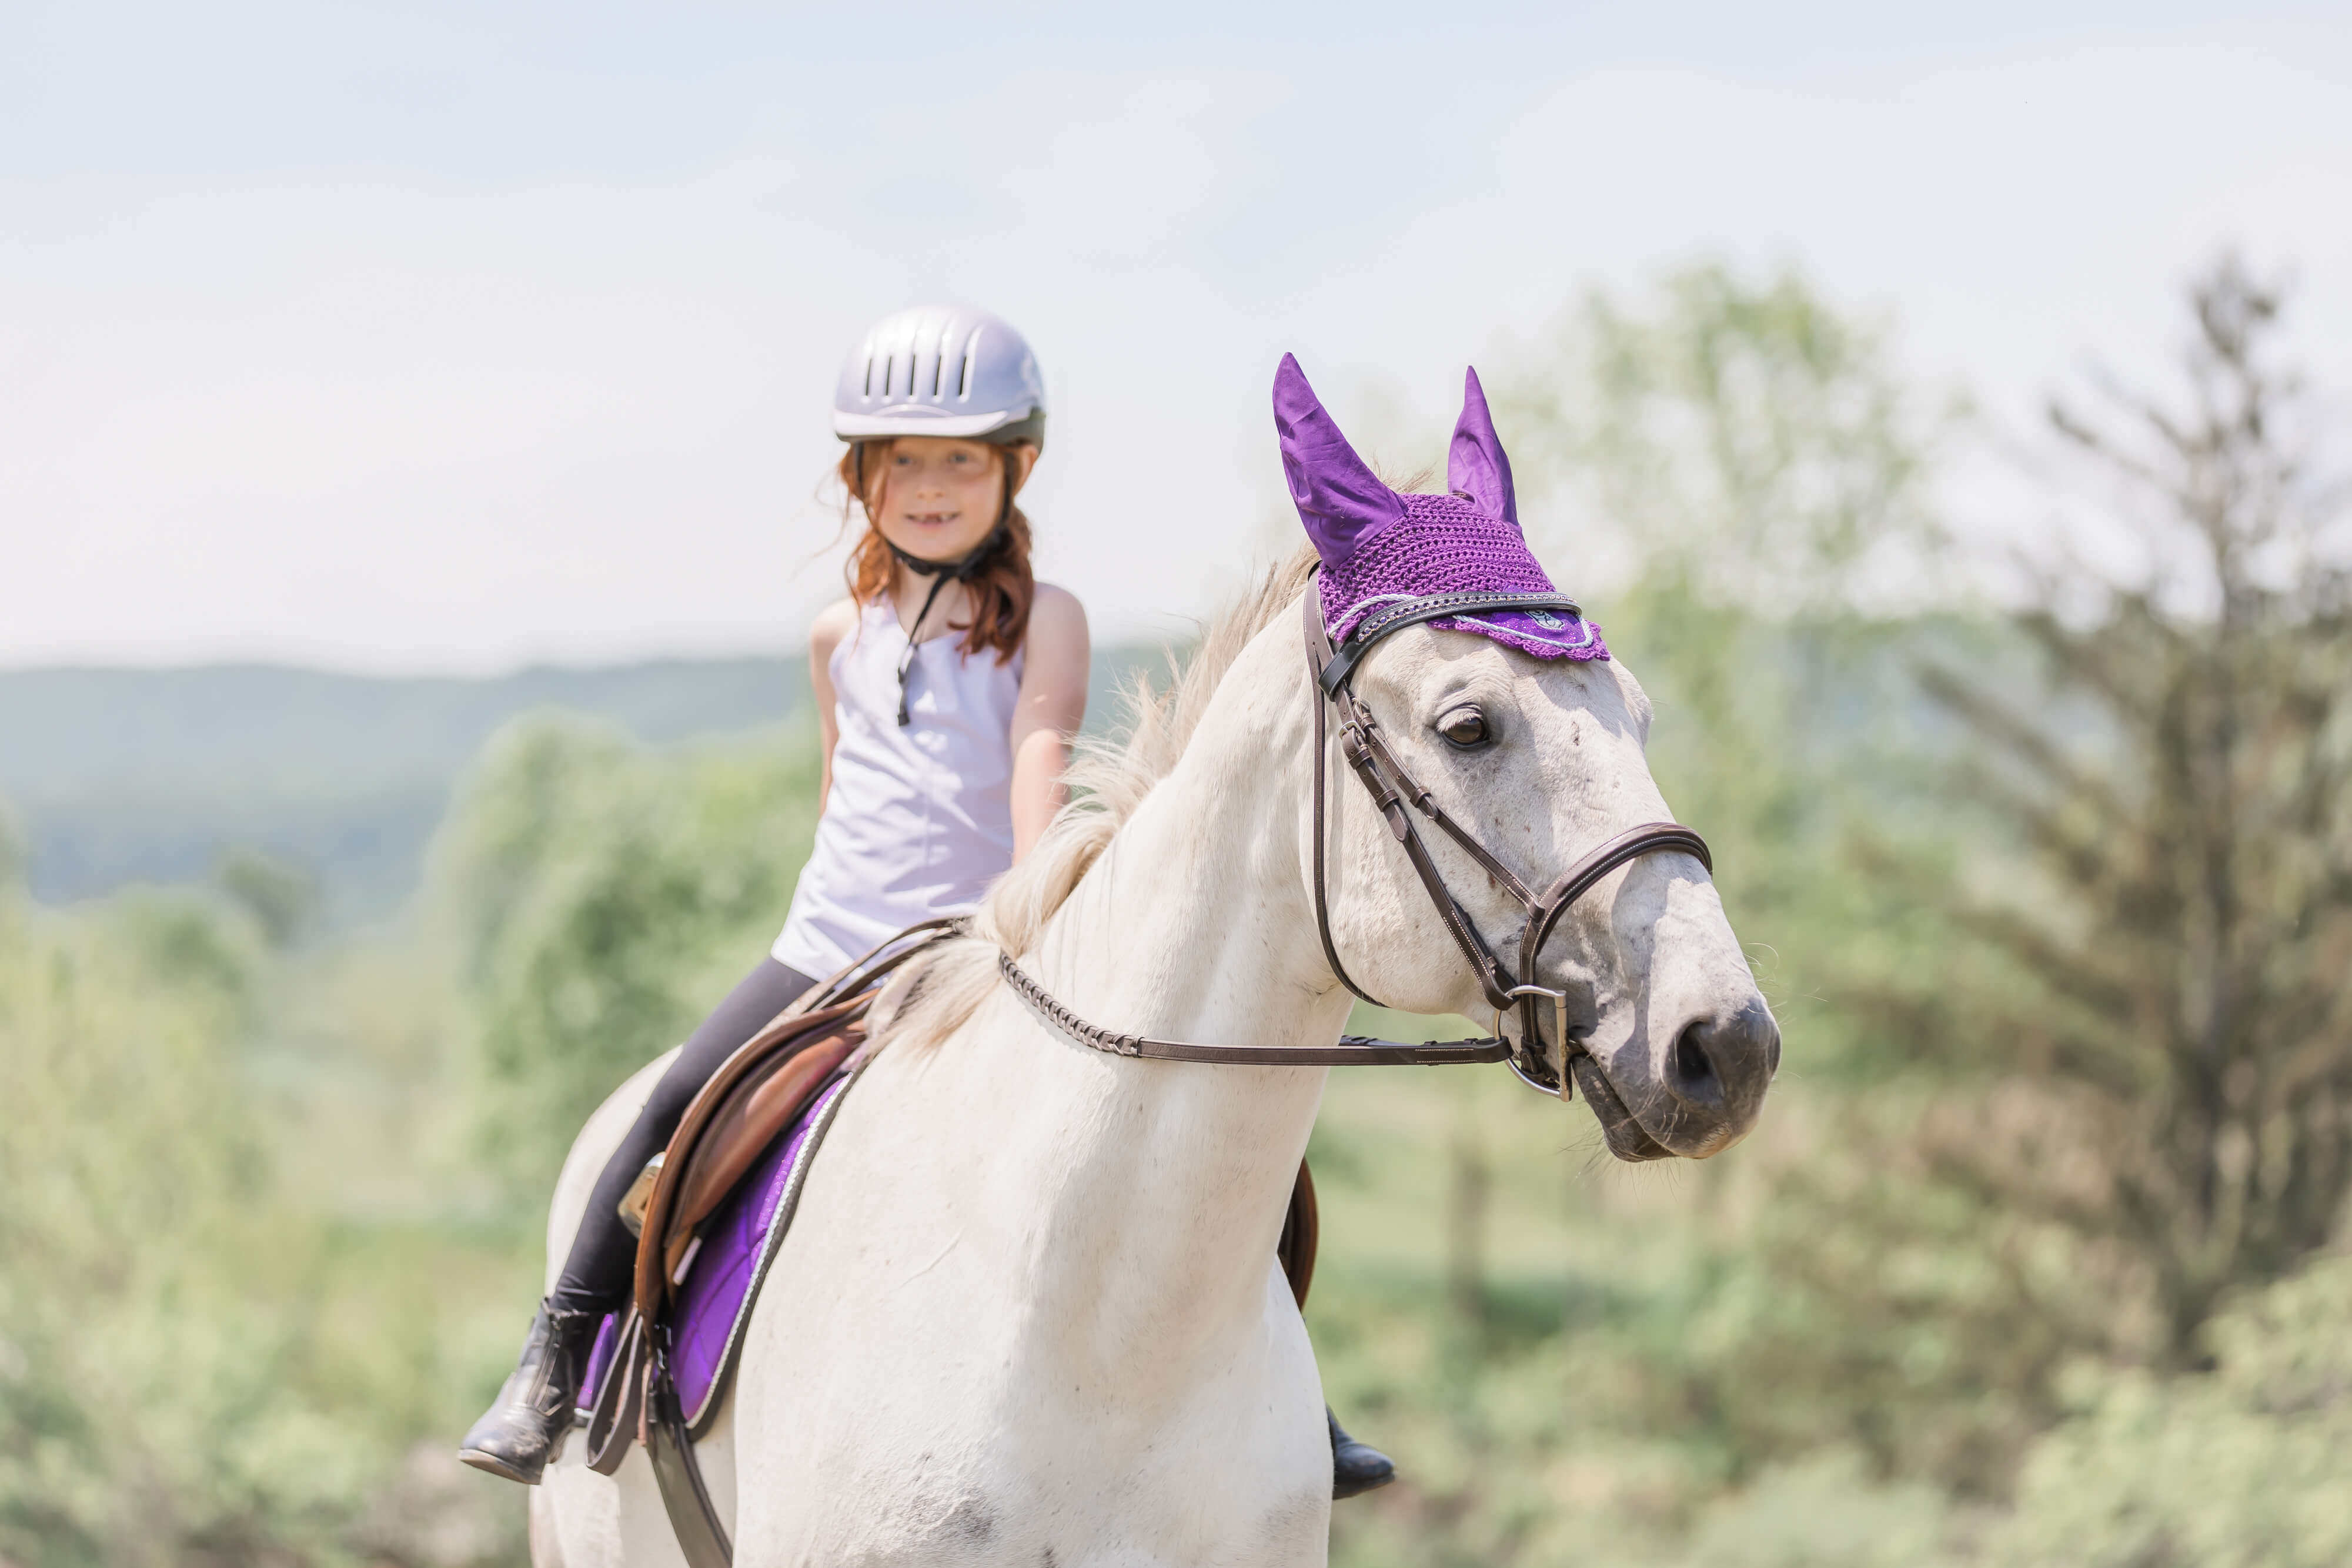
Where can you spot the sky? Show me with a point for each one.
(448, 337)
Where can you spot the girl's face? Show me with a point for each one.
(940, 497)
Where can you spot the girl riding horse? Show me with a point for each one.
(947, 684)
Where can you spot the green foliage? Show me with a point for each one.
(217, 1344)
(602, 897)
(156, 1402)
(2235, 1467)
(1607, 1366)
(12, 852)
(248, 1295)
(1743, 440)
(2173, 925)
(282, 898)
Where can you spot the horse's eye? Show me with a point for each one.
(1463, 727)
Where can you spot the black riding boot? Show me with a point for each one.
(525, 1424)
(1355, 1466)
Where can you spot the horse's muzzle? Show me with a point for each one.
(1703, 1094)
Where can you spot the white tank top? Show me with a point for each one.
(919, 818)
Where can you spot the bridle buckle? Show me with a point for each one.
(1559, 1034)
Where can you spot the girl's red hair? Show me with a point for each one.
(1001, 591)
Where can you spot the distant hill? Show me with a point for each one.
(119, 776)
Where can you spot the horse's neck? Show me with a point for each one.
(1196, 924)
(1196, 921)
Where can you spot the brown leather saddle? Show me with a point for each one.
(754, 1099)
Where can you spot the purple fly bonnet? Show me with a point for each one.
(1380, 548)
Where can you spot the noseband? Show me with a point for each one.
(1392, 787)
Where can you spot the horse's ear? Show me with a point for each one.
(1475, 465)
(1339, 499)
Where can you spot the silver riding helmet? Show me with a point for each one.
(941, 369)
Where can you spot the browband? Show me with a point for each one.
(1414, 612)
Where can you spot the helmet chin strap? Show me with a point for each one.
(941, 572)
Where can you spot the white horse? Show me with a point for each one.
(1028, 1312)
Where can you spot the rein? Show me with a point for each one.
(1375, 765)
(1352, 1050)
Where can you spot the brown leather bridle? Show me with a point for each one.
(1391, 787)
(1367, 754)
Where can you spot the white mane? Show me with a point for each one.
(1108, 778)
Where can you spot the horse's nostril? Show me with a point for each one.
(1694, 1068)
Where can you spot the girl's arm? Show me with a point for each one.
(1052, 705)
(833, 622)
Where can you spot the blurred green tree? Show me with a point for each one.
(1759, 470)
(12, 852)
(158, 1402)
(601, 897)
(2165, 952)
(1742, 441)
(208, 1356)
(2239, 1467)
(281, 897)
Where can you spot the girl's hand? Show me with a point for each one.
(1052, 706)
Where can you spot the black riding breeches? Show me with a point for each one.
(601, 1266)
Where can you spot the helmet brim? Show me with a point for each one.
(1003, 429)
(915, 420)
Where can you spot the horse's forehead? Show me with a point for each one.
(1429, 660)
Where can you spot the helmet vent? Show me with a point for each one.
(965, 375)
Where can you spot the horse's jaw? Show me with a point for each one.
(1620, 1129)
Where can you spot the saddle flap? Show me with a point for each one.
(751, 1119)
(721, 1133)
(735, 1128)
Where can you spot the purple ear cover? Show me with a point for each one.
(1475, 468)
(1340, 500)
(1379, 546)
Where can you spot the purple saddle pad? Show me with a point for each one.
(730, 1260)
